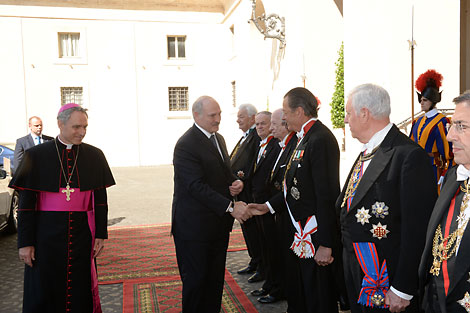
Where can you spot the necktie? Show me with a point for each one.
(38, 139)
(214, 142)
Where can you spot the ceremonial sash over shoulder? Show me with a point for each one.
(375, 282)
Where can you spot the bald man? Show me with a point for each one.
(35, 137)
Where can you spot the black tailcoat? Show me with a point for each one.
(200, 223)
(310, 288)
(400, 176)
(242, 161)
(460, 277)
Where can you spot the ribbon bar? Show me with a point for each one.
(375, 283)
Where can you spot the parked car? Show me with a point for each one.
(8, 204)
(6, 152)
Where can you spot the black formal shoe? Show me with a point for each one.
(256, 277)
(247, 270)
(268, 299)
(259, 292)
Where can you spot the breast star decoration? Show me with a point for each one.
(379, 231)
(465, 302)
(379, 209)
(363, 216)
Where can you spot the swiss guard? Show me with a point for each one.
(62, 218)
(429, 130)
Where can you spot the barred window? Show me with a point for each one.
(176, 47)
(69, 45)
(71, 95)
(178, 98)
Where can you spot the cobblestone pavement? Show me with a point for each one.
(142, 196)
(11, 287)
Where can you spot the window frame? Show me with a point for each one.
(186, 88)
(55, 45)
(176, 57)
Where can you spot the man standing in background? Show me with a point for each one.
(35, 137)
(242, 159)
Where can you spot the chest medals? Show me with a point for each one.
(444, 248)
(356, 175)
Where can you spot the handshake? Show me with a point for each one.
(242, 211)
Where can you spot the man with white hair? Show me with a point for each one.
(242, 161)
(384, 208)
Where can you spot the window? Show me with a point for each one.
(71, 95)
(176, 47)
(69, 45)
(178, 98)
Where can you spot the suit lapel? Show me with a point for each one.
(461, 262)
(241, 147)
(372, 173)
(441, 206)
(209, 145)
(31, 141)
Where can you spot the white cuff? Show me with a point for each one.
(270, 207)
(401, 294)
(229, 207)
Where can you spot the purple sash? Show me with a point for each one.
(80, 201)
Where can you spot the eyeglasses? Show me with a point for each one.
(458, 126)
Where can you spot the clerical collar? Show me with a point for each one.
(431, 113)
(68, 145)
(462, 173)
(305, 129)
(205, 132)
(377, 139)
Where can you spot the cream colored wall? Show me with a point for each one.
(377, 51)
(264, 72)
(125, 74)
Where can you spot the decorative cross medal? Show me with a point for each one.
(67, 192)
(67, 189)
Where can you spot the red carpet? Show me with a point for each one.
(143, 258)
(139, 252)
(164, 295)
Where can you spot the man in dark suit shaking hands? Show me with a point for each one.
(24, 143)
(203, 210)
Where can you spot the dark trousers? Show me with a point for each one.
(202, 270)
(271, 255)
(252, 240)
(309, 288)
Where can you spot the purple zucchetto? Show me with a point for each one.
(67, 106)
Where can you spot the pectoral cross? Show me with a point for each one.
(67, 191)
